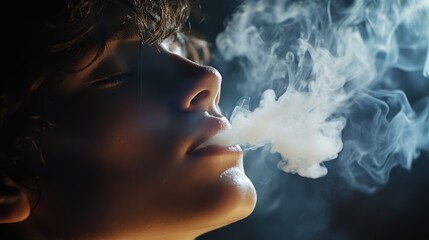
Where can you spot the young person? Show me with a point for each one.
(103, 107)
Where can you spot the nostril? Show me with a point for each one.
(200, 98)
(201, 89)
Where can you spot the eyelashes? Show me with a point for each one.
(111, 82)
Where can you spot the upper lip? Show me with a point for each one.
(210, 127)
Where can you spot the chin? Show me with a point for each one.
(243, 200)
(234, 200)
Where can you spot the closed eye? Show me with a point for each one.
(110, 82)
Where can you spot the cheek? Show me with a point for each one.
(128, 134)
(133, 149)
(115, 144)
(135, 156)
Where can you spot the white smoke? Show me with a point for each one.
(323, 70)
(426, 71)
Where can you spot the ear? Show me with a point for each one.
(14, 202)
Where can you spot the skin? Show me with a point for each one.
(121, 160)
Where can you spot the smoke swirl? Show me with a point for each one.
(330, 76)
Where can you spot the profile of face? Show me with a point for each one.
(122, 159)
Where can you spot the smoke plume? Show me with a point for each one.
(329, 76)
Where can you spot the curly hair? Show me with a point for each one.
(47, 40)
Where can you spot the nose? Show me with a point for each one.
(203, 92)
(189, 86)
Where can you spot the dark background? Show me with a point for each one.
(292, 207)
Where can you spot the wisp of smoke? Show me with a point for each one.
(325, 73)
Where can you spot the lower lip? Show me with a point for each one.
(214, 150)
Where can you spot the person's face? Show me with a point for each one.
(123, 157)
